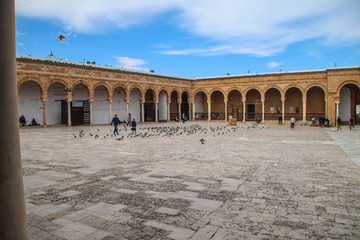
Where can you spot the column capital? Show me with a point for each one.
(43, 100)
(262, 100)
(91, 100)
(337, 102)
(304, 100)
(110, 100)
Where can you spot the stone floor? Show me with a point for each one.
(244, 182)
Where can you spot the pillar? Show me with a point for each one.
(142, 112)
(110, 116)
(283, 110)
(304, 110)
(193, 111)
(69, 111)
(179, 110)
(127, 109)
(337, 109)
(263, 110)
(226, 110)
(91, 111)
(189, 111)
(209, 111)
(156, 112)
(244, 108)
(168, 111)
(326, 108)
(12, 203)
(44, 111)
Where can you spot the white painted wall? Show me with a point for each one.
(100, 106)
(30, 104)
(162, 106)
(118, 105)
(56, 93)
(345, 104)
(134, 105)
(79, 94)
(198, 103)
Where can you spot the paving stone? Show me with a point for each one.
(169, 211)
(176, 233)
(205, 233)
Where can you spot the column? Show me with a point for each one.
(12, 203)
(304, 110)
(326, 108)
(179, 110)
(189, 111)
(91, 112)
(168, 111)
(226, 110)
(127, 109)
(209, 111)
(69, 111)
(283, 110)
(44, 111)
(156, 112)
(110, 117)
(244, 113)
(142, 112)
(337, 109)
(263, 110)
(193, 112)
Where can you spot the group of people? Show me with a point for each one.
(351, 123)
(22, 121)
(116, 121)
(183, 118)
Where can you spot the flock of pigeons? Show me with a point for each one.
(168, 131)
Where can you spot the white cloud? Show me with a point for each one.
(131, 63)
(273, 64)
(259, 27)
(20, 44)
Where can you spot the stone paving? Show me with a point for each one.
(244, 182)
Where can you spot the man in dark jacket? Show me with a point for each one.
(116, 121)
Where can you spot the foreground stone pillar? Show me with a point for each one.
(337, 109)
(244, 113)
(193, 111)
(263, 111)
(209, 111)
(180, 110)
(44, 112)
(110, 117)
(304, 111)
(69, 111)
(168, 111)
(12, 203)
(282, 111)
(127, 110)
(156, 112)
(226, 112)
(142, 112)
(91, 112)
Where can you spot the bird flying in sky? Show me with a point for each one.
(61, 37)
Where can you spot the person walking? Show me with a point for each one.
(351, 121)
(133, 126)
(128, 122)
(292, 122)
(116, 122)
(338, 121)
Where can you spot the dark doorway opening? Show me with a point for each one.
(251, 111)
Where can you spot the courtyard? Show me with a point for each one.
(197, 180)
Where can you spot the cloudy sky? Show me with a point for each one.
(194, 38)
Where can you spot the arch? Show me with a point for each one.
(43, 92)
(74, 84)
(272, 103)
(253, 108)
(217, 89)
(252, 88)
(349, 99)
(102, 84)
(201, 106)
(233, 89)
(29, 101)
(235, 103)
(344, 84)
(294, 86)
(162, 105)
(56, 106)
(149, 104)
(201, 90)
(217, 98)
(275, 87)
(315, 85)
(293, 103)
(174, 106)
(57, 80)
(315, 102)
(100, 105)
(166, 91)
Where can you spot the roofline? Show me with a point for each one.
(88, 65)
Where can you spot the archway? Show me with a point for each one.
(134, 104)
(56, 98)
(253, 105)
(201, 107)
(162, 106)
(174, 106)
(149, 106)
(293, 104)
(217, 106)
(100, 106)
(30, 104)
(272, 105)
(80, 107)
(118, 105)
(315, 103)
(235, 105)
(349, 103)
(185, 110)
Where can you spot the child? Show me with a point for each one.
(133, 126)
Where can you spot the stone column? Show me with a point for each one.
(304, 110)
(244, 109)
(193, 112)
(209, 111)
(44, 111)
(168, 111)
(189, 111)
(283, 110)
(12, 203)
(180, 110)
(142, 112)
(156, 112)
(91, 112)
(263, 111)
(110, 115)
(127, 109)
(69, 111)
(326, 108)
(226, 111)
(337, 109)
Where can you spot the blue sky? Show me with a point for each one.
(194, 38)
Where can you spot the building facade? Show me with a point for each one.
(57, 92)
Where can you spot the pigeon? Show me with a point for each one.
(61, 37)
(202, 141)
